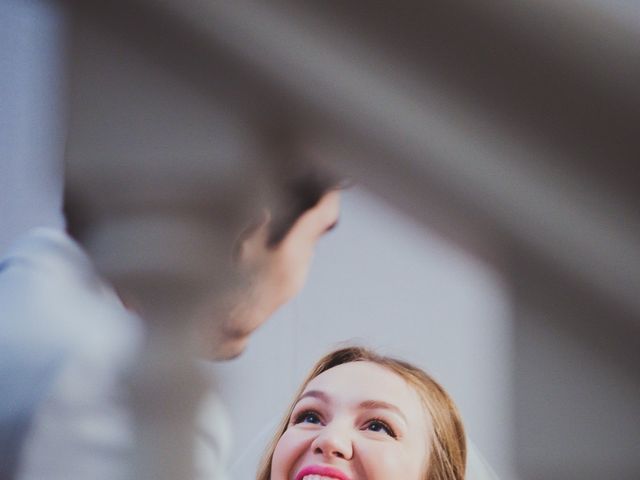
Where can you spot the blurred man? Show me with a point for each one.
(68, 344)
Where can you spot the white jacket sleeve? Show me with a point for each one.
(59, 314)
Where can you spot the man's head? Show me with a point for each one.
(274, 256)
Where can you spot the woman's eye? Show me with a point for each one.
(308, 417)
(380, 426)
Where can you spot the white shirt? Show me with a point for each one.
(66, 328)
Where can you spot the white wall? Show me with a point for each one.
(378, 279)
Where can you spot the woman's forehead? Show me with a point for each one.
(365, 381)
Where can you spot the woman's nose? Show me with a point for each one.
(333, 441)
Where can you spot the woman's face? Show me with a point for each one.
(356, 421)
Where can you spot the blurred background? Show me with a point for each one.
(493, 233)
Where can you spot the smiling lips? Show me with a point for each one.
(318, 472)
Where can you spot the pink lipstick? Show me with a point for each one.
(323, 471)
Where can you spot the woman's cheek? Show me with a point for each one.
(385, 461)
(288, 452)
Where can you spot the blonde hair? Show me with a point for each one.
(447, 459)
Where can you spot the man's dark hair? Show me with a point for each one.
(301, 191)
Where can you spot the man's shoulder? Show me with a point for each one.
(65, 340)
(57, 310)
(46, 258)
(49, 290)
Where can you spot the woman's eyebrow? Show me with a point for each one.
(379, 404)
(320, 395)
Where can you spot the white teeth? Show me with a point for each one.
(317, 477)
